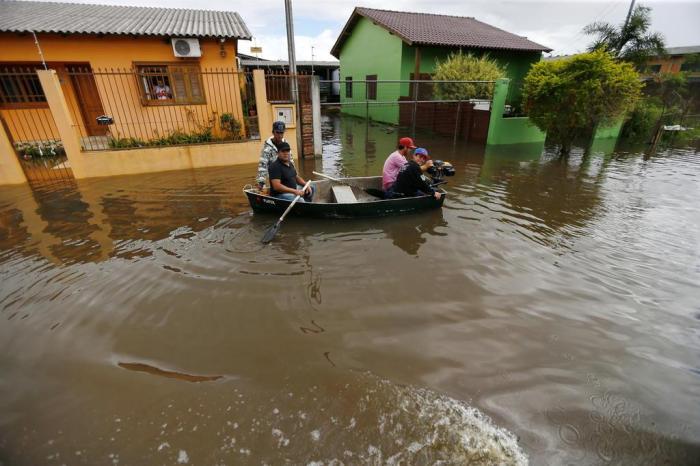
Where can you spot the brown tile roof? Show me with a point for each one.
(440, 30)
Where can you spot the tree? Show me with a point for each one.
(569, 98)
(631, 42)
(461, 67)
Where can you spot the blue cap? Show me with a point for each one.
(421, 151)
(278, 126)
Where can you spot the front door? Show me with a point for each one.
(88, 98)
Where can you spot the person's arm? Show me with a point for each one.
(301, 182)
(262, 167)
(280, 188)
(421, 184)
(426, 166)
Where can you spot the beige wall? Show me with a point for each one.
(10, 170)
(159, 159)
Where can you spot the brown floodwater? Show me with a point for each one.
(549, 313)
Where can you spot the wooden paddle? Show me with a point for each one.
(272, 231)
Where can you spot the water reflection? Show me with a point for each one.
(558, 296)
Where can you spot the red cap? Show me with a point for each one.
(407, 142)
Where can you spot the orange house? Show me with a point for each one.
(154, 71)
(676, 61)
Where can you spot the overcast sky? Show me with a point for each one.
(556, 24)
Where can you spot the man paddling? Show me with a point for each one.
(285, 183)
(410, 181)
(269, 152)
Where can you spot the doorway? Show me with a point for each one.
(88, 98)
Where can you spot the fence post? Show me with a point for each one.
(63, 119)
(415, 108)
(316, 113)
(457, 122)
(10, 170)
(498, 104)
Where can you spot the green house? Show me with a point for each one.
(385, 46)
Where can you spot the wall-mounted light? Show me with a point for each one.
(222, 49)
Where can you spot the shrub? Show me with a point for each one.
(569, 98)
(231, 126)
(40, 149)
(642, 120)
(461, 67)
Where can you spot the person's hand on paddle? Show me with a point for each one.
(299, 192)
(437, 195)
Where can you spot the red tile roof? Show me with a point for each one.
(440, 30)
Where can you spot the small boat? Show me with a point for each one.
(356, 197)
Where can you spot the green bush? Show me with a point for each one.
(642, 120)
(569, 98)
(232, 126)
(461, 67)
(123, 143)
(173, 139)
(46, 149)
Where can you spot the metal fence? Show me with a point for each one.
(161, 106)
(279, 87)
(453, 108)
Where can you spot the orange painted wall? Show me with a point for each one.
(120, 96)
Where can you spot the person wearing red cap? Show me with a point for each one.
(410, 181)
(395, 161)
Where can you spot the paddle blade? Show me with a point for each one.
(270, 233)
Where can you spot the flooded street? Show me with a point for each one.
(549, 312)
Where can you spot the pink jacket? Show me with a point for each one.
(391, 169)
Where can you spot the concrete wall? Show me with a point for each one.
(510, 130)
(10, 170)
(159, 159)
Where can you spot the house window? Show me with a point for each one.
(371, 86)
(165, 84)
(348, 87)
(690, 66)
(20, 88)
(654, 68)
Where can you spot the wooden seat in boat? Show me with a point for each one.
(343, 194)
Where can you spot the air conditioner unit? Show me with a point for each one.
(185, 48)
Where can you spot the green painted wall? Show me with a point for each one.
(516, 64)
(369, 50)
(509, 130)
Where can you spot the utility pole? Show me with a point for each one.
(293, 71)
(629, 14)
(624, 28)
(312, 60)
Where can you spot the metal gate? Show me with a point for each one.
(459, 110)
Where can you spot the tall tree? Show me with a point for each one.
(631, 41)
(569, 98)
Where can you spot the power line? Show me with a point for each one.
(608, 9)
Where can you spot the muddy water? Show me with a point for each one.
(549, 313)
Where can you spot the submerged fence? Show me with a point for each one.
(453, 108)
